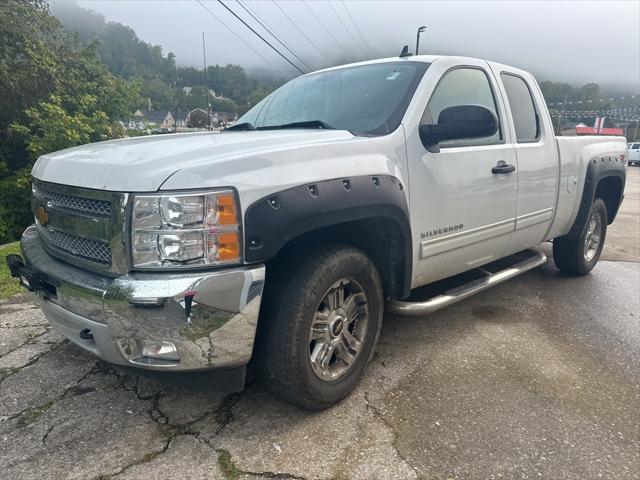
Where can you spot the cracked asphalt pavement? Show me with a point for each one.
(536, 378)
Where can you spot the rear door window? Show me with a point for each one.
(523, 110)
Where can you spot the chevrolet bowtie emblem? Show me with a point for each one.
(42, 215)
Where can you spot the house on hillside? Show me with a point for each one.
(212, 94)
(163, 119)
(166, 120)
(198, 118)
(222, 118)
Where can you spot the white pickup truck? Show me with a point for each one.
(283, 239)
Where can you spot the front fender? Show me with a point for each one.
(273, 221)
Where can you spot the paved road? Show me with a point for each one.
(538, 378)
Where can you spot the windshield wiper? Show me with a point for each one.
(241, 126)
(305, 124)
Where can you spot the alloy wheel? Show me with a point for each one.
(338, 329)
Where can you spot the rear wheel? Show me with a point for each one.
(580, 254)
(320, 325)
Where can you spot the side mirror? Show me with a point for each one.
(459, 123)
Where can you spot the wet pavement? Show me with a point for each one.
(536, 378)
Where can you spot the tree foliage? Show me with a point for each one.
(555, 92)
(56, 94)
(197, 98)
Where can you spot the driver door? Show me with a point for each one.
(462, 209)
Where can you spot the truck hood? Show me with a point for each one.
(143, 164)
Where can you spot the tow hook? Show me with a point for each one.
(86, 334)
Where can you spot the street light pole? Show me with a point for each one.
(420, 30)
(206, 85)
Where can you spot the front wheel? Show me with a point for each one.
(579, 255)
(320, 325)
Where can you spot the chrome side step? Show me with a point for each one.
(461, 292)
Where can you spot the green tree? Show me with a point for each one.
(58, 94)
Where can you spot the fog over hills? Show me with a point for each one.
(576, 42)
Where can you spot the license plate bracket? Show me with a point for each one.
(31, 279)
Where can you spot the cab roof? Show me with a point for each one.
(423, 59)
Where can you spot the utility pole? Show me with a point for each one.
(175, 106)
(635, 131)
(420, 30)
(206, 84)
(626, 128)
(564, 107)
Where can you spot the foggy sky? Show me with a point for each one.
(573, 41)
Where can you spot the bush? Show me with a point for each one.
(15, 207)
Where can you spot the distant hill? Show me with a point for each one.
(128, 56)
(119, 47)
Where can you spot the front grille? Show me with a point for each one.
(82, 226)
(88, 206)
(84, 248)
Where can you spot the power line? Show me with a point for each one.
(236, 35)
(301, 31)
(273, 34)
(260, 37)
(324, 27)
(364, 41)
(345, 27)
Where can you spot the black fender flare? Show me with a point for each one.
(598, 169)
(273, 221)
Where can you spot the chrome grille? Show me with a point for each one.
(85, 205)
(80, 247)
(82, 226)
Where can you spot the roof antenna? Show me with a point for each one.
(405, 52)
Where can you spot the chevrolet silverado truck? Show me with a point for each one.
(403, 184)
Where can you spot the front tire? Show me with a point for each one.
(320, 324)
(579, 255)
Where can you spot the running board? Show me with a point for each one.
(466, 290)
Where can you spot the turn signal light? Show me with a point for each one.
(227, 213)
(228, 246)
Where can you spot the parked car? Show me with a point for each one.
(633, 153)
(284, 238)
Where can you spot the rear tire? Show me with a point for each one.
(579, 255)
(320, 323)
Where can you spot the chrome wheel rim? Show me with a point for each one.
(338, 329)
(593, 237)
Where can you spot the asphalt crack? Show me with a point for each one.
(147, 457)
(46, 435)
(224, 414)
(6, 373)
(232, 472)
(29, 341)
(29, 325)
(378, 414)
(30, 415)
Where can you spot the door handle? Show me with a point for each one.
(503, 167)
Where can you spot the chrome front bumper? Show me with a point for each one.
(117, 319)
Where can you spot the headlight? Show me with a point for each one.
(185, 229)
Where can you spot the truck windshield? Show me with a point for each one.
(366, 100)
